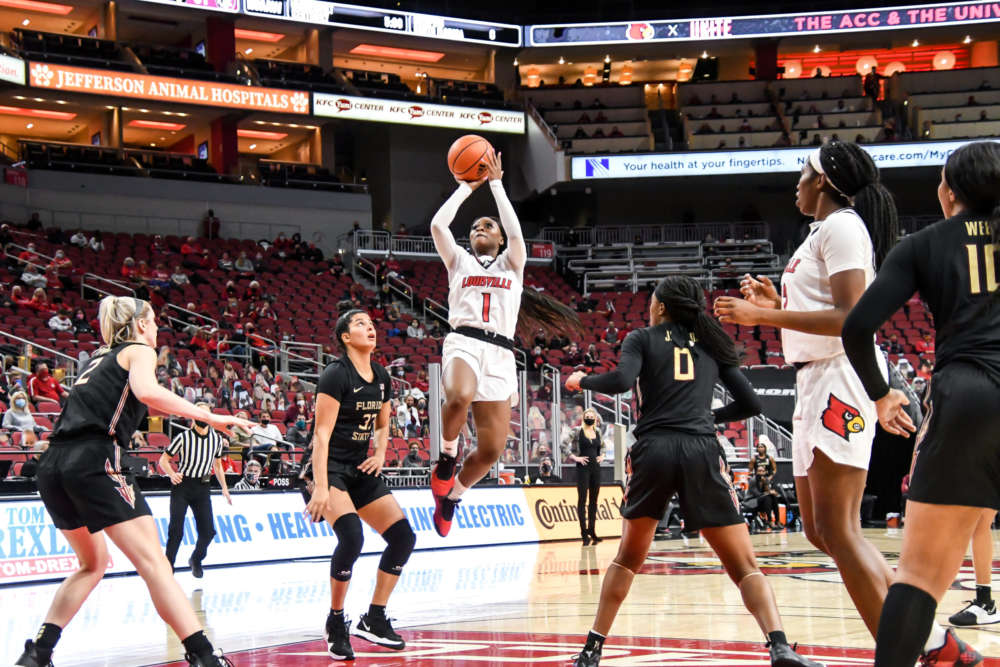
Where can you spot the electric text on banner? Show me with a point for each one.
(166, 89)
(408, 113)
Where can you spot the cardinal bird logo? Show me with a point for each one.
(842, 418)
(639, 31)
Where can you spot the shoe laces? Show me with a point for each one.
(223, 659)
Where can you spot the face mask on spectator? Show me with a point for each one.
(301, 404)
(300, 424)
(589, 421)
(265, 420)
(20, 403)
(43, 373)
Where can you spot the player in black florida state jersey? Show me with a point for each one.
(677, 361)
(352, 407)
(956, 469)
(86, 492)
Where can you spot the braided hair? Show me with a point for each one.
(684, 300)
(854, 181)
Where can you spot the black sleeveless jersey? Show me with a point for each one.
(360, 404)
(954, 266)
(100, 404)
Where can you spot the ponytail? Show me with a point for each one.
(685, 302)
(854, 180)
(117, 316)
(542, 312)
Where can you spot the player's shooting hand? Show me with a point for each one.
(494, 168)
(892, 415)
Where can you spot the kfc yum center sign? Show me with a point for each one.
(416, 113)
(166, 89)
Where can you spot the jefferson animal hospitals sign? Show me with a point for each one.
(166, 89)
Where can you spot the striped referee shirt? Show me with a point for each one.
(197, 452)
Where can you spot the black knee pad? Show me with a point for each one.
(350, 539)
(400, 540)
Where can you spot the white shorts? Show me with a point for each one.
(496, 372)
(833, 414)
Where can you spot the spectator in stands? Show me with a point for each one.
(128, 270)
(713, 114)
(40, 302)
(79, 239)
(158, 246)
(63, 267)
(61, 321)
(413, 458)
(160, 278)
(415, 331)
(29, 255)
(925, 345)
(298, 433)
(766, 497)
(142, 271)
(43, 386)
(893, 345)
(593, 357)
(97, 242)
(253, 292)
(243, 265)
(615, 132)
(32, 276)
(297, 409)
(190, 247)
(598, 133)
(580, 134)
(34, 223)
(611, 334)
(972, 101)
(80, 323)
(924, 369)
(210, 225)
(574, 355)
(226, 262)
(312, 253)
(178, 278)
(265, 433)
(30, 467)
(18, 417)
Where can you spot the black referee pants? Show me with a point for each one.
(197, 495)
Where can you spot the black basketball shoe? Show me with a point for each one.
(590, 656)
(783, 655)
(217, 659)
(30, 657)
(378, 630)
(338, 640)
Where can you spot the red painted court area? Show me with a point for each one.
(433, 647)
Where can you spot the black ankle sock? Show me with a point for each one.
(445, 466)
(777, 637)
(198, 644)
(46, 640)
(595, 640)
(904, 626)
(376, 610)
(984, 595)
(335, 616)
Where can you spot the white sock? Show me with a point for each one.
(449, 447)
(457, 490)
(936, 639)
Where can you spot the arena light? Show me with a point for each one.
(393, 52)
(37, 113)
(261, 134)
(156, 125)
(258, 35)
(36, 6)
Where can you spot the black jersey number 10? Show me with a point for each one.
(989, 268)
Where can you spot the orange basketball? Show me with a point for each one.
(466, 155)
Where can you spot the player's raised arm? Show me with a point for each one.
(517, 252)
(444, 240)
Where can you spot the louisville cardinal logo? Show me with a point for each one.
(842, 418)
(639, 31)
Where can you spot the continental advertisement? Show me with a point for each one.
(554, 511)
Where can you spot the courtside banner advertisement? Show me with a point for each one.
(11, 69)
(766, 161)
(554, 511)
(166, 89)
(417, 113)
(766, 25)
(261, 527)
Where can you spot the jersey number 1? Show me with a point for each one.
(486, 306)
(989, 264)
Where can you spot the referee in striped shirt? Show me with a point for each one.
(200, 450)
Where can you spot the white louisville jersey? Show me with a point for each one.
(485, 297)
(839, 243)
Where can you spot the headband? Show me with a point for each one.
(818, 167)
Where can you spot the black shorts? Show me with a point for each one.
(957, 460)
(361, 487)
(82, 484)
(659, 465)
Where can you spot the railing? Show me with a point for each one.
(176, 314)
(665, 233)
(636, 280)
(379, 243)
(103, 286)
(546, 129)
(301, 359)
(31, 346)
(760, 425)
(435, 310)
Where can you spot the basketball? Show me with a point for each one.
(465, 157)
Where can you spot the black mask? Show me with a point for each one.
(199, 424)
(546, 469)
(589, 421)
(265, 421)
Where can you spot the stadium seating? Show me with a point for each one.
(599, 119)
(72, 49)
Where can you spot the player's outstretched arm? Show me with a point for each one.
(745, 403)
(444, 240)
(517, 252)
(619, 380)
